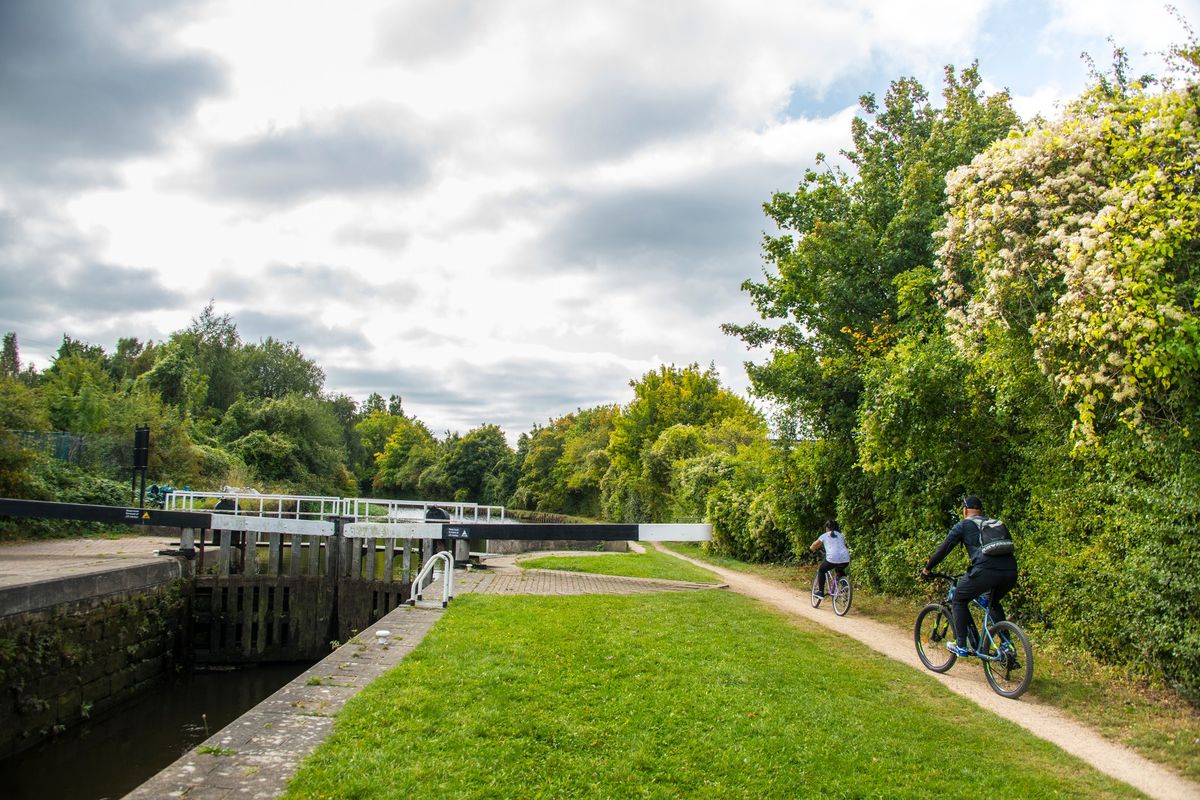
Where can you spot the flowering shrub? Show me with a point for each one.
(1083, 232)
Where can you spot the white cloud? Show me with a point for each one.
(497, 210)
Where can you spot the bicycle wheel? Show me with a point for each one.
(1012, 671)
(842, 596)
(932, 631)
(816, 597)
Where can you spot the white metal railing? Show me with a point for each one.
(236, 503)
(375, 509)
(315, 507)
(426, 570)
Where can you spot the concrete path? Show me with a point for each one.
(49, 559)
(37, 575)
(966, 678)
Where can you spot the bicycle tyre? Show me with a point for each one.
(843, 596)
(1011, 677)
(816, 598)
(933, 629)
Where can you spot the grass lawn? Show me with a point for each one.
(651, 564)
(1155, 722)
(695, 694)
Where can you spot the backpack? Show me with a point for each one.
(994, 538)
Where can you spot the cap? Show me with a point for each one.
(971, 501)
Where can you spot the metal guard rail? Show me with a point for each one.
(427, 570)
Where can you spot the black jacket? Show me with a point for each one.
(966, 533)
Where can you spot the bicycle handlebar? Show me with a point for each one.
(942, 575)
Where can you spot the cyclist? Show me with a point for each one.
(837, 554)
(995, 574)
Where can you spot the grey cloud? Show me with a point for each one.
(334, 282)
(82, 82)
(377, 237)
(359, 153)
(423, 30)
(52, 275)
(694, 242)
(32, 291)
(514, 394)
(309, 334)
(619, 114)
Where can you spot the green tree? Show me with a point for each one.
(408, 450)
(10, 358)
(473, 458)
(131, 359)
(293, 441)
(849, 305)
(274, 369)
(633, 484)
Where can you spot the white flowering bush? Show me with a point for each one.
(1083, 233)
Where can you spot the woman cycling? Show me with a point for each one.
(837, 554)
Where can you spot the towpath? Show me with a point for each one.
(967, 679)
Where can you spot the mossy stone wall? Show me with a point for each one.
(60, 665)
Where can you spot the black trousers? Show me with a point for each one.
(976, 582)
(839, 569)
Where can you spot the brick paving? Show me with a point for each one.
(256, 754)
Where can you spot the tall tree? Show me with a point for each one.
(473, 458)
(664, 398)
(845, 237)
(274, 369)
(10, 358)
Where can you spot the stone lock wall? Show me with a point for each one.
(62, 664)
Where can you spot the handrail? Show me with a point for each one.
(426, 569)
(356, 509)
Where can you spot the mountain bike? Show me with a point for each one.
(1003, 647)
(838, 589)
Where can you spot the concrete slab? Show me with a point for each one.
(31, 562)
(36, 575)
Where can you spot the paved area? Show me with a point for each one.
(504, 576)
(256, 754)
(51, 559)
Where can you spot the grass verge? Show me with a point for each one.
(651, 564)
(1151, 720)
(697, 694)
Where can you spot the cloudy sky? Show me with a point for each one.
(501, 211)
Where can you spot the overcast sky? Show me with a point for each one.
(501, 211)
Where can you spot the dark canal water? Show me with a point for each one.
(110, 756)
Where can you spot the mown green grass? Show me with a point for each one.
(698, 694)
(651, 564)
(1150, 719)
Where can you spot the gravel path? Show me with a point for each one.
(967, 680)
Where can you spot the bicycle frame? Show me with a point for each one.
(992, 650)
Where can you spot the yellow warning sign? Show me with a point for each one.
(145, 515)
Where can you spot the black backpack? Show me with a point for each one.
(994, 538)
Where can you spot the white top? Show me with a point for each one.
(836, 551)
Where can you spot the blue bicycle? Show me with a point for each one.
(1003, 647)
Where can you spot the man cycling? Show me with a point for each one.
(995, 573)
(837, 554)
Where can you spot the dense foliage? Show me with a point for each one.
(1007, 310)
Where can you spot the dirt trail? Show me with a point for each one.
(967, 680)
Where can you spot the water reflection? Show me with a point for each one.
(106, 758)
